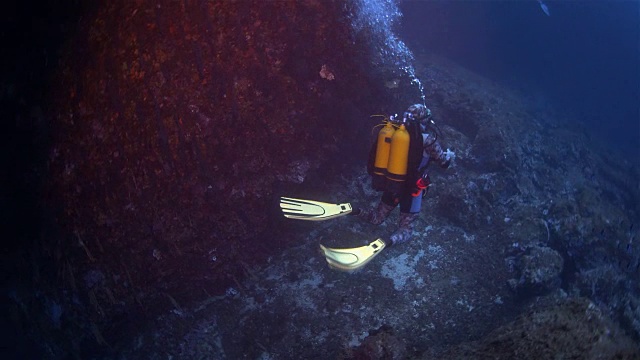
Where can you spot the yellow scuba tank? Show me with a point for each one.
(383, 147)
(398, 158)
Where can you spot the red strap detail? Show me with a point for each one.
(421, 184)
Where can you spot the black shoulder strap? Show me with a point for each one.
(415, 152)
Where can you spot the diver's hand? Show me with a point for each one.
(449, 157)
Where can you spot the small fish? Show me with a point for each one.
(544, 7)
(602, 232)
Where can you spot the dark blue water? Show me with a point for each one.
(584, 59)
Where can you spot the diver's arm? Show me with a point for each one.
(435, 152)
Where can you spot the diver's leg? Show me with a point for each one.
(381, 212)
(409, 211)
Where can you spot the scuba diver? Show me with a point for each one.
(398, 163)
(408, 188)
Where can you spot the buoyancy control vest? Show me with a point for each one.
(395, 157)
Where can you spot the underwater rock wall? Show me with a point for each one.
(174, 123)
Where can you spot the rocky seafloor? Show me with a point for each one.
(525, 249)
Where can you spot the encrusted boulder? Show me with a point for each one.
(569, 329)
(538, 268)
(381, 344)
